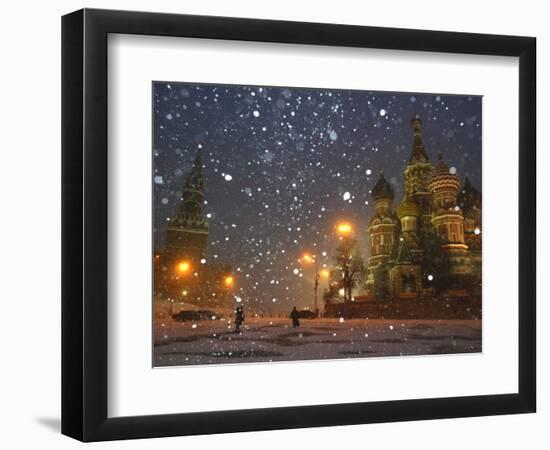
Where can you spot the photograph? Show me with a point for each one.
(297, 224)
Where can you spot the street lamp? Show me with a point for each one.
(344, 230)
(183, 267)
(228, 283)
(308, 259)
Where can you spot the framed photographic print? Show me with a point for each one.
(276, 225)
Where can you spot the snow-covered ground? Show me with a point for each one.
(264, 339)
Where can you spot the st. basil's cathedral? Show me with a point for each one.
(432, 239)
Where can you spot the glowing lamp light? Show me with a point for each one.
(344, 228)
(325, 273)
(184, 266)
(307, 258)
(228, 281)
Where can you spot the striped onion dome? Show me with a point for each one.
(442, 178)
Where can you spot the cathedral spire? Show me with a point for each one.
(418, 153)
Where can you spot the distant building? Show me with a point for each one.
(182, 272)
(187, 232)
(432, 238)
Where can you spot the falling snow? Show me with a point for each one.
(283, 164)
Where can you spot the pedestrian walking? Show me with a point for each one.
(295, 318)
(239, 318)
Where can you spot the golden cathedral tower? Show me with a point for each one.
(383, 230)
(414, 211)
(447, 218)
(417, 173)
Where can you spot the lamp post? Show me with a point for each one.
(309, 259)
(344, 230)
(228, 283)
(183, 267)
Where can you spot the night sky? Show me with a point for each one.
(284, 165)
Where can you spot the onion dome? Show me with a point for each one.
(407, 208)
(382, 189)
(442, 178)
(418, 153)
(469, 197)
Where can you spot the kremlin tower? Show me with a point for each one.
(182, 272)
(187, 232)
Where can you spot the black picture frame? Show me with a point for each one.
(84, 224)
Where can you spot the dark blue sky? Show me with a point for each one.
(283, 165)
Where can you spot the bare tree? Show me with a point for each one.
(349, 263)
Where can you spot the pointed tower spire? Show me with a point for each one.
(418, 153)
(187, 231)
(191, 209)
(195, 180)
(198, 158)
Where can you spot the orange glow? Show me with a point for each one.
(325, 273)
(228, 281)
(184, 266)
(344, 228)
(308, 258)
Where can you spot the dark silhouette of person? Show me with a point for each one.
(294, 317)
(239, 318)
